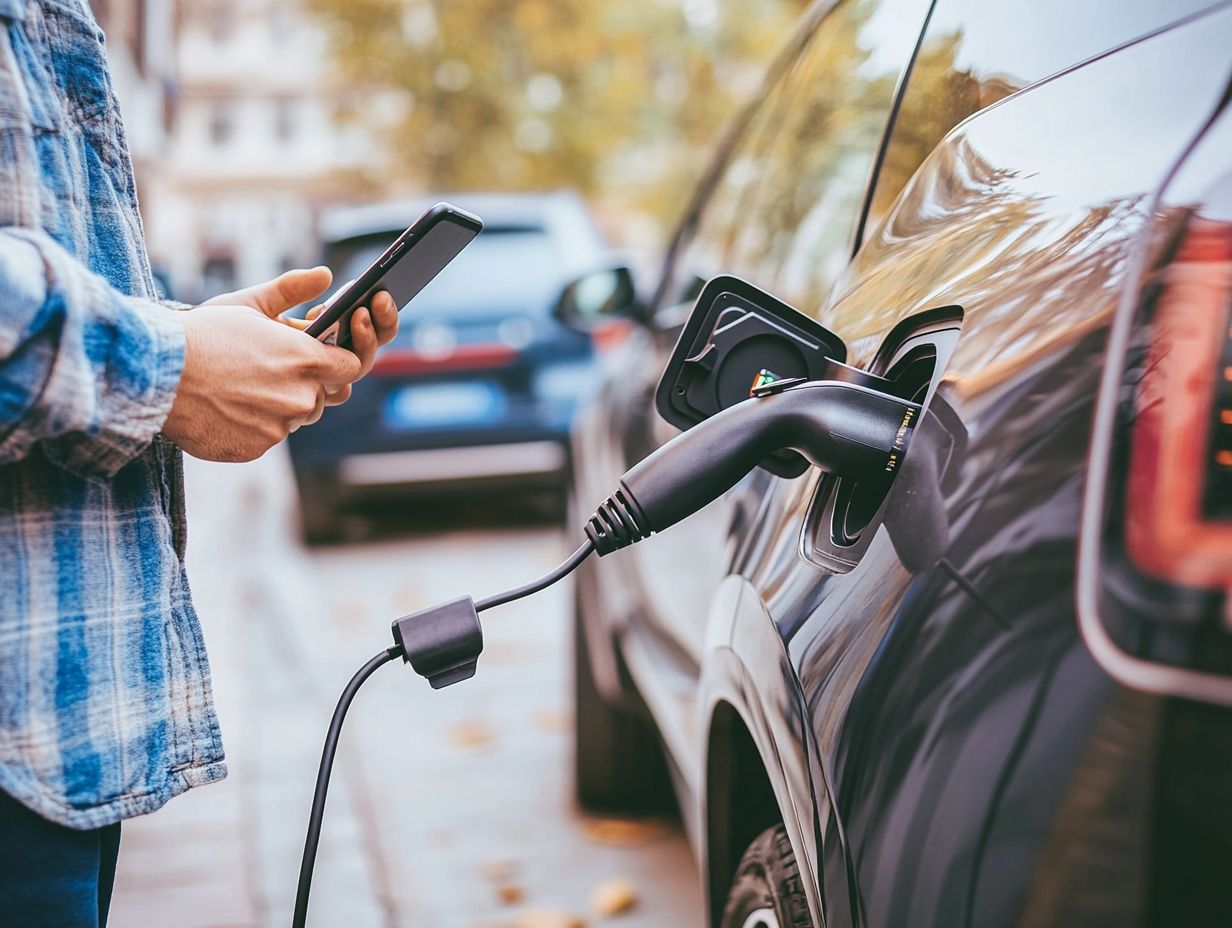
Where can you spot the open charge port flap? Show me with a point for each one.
(739, 338)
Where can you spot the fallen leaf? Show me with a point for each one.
(442, 837)
(408, 599)
(499, 871)
(510, 893)
(553, 721)
(350, 615)
(622, 832)
(613, 897)
(473, 734)
(548, 918)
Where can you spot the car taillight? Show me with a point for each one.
(610, 335)
(1154, 580)
(1178, 509)
(407, 361)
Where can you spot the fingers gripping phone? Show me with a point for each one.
(404, 269)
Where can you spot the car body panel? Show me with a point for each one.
(928, 716)
(942, 748)
(748, 670)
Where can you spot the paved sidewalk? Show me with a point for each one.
(448, 808)
(214, 857)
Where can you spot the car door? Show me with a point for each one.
(798, 168)
(973, 766)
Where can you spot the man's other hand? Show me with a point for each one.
(251, 376)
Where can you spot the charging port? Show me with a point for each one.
(856, 504)
(844, 513)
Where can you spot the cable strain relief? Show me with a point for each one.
(616, 524)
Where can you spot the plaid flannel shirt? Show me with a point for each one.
(105, 703)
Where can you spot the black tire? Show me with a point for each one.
(619, 764)
(767, 883)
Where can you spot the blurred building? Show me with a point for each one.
(141, 48)
(237, 136)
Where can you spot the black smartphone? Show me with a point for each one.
(404, 269)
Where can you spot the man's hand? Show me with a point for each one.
(250, 378)
(369, 329)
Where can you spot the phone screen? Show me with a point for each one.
(428, 257)
(403, 269)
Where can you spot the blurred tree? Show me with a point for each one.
(942, 95)
(527, 94)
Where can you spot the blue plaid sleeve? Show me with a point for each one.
(85, 371)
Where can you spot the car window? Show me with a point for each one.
(976, 52)
(513, 270)
(783, 213)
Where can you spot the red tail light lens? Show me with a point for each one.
(407, 361)
(1179, 505)
(608, 336)
(1154, 581)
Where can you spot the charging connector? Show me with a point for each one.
(846, 428)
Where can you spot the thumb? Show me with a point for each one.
(275, 297)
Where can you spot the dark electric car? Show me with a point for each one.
(997, 695)
(481, 383)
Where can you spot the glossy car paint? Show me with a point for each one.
(967, 749)
(939, 743)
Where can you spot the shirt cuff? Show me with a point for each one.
(168, 348)
(136, 393)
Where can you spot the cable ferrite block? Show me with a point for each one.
(443, 643)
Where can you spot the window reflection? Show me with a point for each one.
(786, 207)
(976, 53)
(784, 212)
(1021, 216)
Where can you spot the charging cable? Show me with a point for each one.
(849, 429)
(443, 644)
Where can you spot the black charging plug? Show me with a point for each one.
(846, 428)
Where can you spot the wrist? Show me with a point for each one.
(176, 334)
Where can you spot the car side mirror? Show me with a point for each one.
(597, 297)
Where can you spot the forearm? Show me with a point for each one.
(84, 370)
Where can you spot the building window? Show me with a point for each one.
(218, 273)
(140, 37)
(281, 22)
(220, 18)
(284, 119)
(222, 124)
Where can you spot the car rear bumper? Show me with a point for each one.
(442, 466)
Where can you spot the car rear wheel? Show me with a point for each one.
(766, 891)
(319, 515)
(618, 760)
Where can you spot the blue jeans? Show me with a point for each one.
(52, 876)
